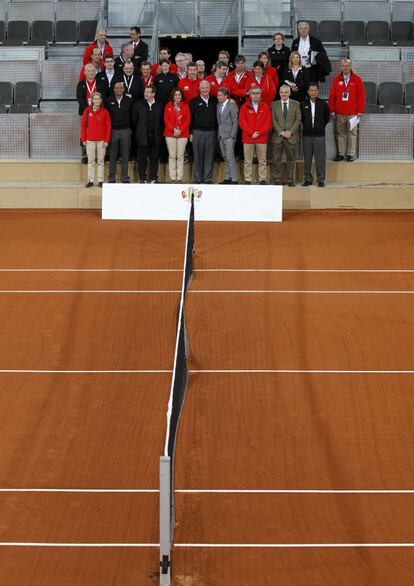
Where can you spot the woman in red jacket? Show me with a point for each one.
(262, 81)
(95, 135)
(268, 69)
(176, 131)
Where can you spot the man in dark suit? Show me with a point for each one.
(119, 107)
(315, 117)
(107, 76)
(227, 120)
(140, 48)
(308, 48)
(147, 120)
(134, 87)
(286, 122)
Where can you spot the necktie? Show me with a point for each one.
(285, 110)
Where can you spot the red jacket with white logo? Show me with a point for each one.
(190, 87)
(177, 119)
(251, 121)
(237, 88)
(355, 103)
(156, 68)
(94, 45)
(267, 86)
(214, 84)
(96, 126)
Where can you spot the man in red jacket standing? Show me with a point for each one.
(100, 43)
(255, 120)
(346, 100)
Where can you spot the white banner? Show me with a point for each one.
(220, 203)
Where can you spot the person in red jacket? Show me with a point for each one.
(164, 53)
(268, 69)
(255, 120)
(262, 81)
(346, 100)
(96, 60)
(177, 119)
(95, 135)
(236, 80)
(100, 43)
(190, 85)
(218, 78)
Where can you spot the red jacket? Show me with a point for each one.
(88, 52)
(177, 119)
(190, 87)
(237, 88)
(356, 95)
(250, 122)
(156, 69)
(96, 126)
(266, 85)
(214, 84)
(272, 72)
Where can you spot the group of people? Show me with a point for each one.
(141, 110)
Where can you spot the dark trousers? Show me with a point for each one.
(120, 145)
(314, 147)
(149, 151)
(204, 149)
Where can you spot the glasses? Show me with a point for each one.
(256, 93)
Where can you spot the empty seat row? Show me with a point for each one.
(45, 31)
(390, 93)
(25, 92)
(357, 32)
(18, 109)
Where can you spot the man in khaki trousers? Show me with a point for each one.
(286, 119)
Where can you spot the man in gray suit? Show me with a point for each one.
(286, 119)
(227, 119)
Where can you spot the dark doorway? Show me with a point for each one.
(206, 49)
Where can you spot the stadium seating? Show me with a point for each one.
(42, 30)
(353, 31)
(377, 30)
(394, 109)
(18, 30)
(6, 93)
(27, 92)
(390, 92)
(330, 31)
(66, 31)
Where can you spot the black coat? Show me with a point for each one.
(136, 90)
(164, 84)
(103, 80)
(139, 121)
(120, 115)
(317, 73)
(302, 80)
(322, 117)
(140, 54)
(279, 59)
(82, 92)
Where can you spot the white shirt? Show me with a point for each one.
(287, 104)
(255, 106)
(313, 105)
(303, 50)
(204, 99)
(109, 74)
(223, 105)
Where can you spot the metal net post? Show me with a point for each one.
(165, 520)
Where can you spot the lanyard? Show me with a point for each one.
(128, 85)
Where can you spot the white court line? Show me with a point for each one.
(85, 490)
(305, 291)
(223, 270)
(203, 491)
(291, 545)
(56, 270)
(27, 371)
(129, 291)
(63, 544)
(212, 371)
(207, 291)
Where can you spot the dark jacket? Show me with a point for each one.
(165, 82)
(139, 119)
(302, 80)
(322, 117)
(103, 80)
(140, 54)
(317, 73)
(279, 59)
(120, 115)
(136, 88)
(82, 92)
(203, 117)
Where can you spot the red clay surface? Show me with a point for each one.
(274, 431)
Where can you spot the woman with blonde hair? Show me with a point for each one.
(95, 135)
(297, 77)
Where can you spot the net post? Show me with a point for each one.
(165, 521)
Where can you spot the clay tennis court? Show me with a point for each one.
(294, 457)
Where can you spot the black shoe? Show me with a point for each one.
(126, 181)
(278, 183)
(154, 181)
(112, 181)
(84, 160)
(100, 184)
(306, 183)
(247, 182)
(291, 184)
(339, 158)
(321, 183)
(263, 182)
(350, 158)
(226, 182)
(233, 182)
(89, 184)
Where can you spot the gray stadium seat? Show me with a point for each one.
(370, 92)
(13, 43)
(66, 31)
(2, 30)
(42, 29)
(378, 30)
(21, 109)
(27, 92)
(409, 93)
(6, 93)
(330, 31)
(3, 109)
(386, 43)
(372, 109)
(394, 109)
(18, 30)
(401, 31)
(353, 31)
(390, 92)
(87, 30)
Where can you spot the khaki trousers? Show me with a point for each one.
(95, 151)
(176, 148)
(342, 131)
(261, 153)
